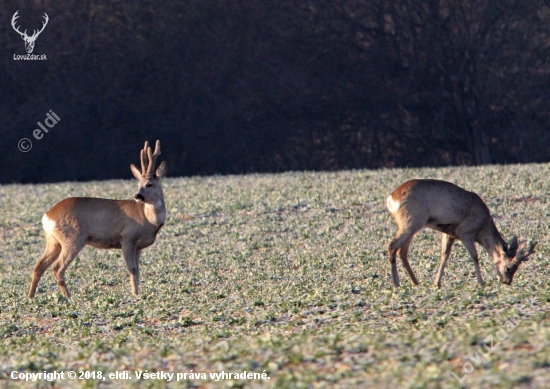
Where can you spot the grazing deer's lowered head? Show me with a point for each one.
(129, 225)
(511, 257)
(458, 214)
(29, 40)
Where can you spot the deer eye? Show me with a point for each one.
(149, 185)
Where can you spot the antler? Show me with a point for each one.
(24, 34)
(149, 160)
(35, 34)
(143, 155)
(153, 158)
(522, 255)
(15, 16)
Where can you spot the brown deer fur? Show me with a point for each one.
(130, 225)
(458, 214)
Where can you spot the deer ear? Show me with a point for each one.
(513, 248)
(135, 171)
(502, 249)
(161, 171)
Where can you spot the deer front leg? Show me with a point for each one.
(471, 247)
(135, 281)
(446, 247)
(131, 256)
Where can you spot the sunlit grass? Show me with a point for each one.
(284, 273)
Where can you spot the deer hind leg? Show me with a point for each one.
(469, 243)
(403, 253)
(68, 253)
(51, 253)
(402, 240)
(447, 242)
(393, 247)
(131, 256)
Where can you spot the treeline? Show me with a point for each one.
(266, 86)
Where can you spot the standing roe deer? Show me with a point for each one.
(106, 224)
(458, 214)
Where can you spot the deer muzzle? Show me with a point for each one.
(139, 197)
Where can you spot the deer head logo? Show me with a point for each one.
(29, 40)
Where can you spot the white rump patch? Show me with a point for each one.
(392, 205)
(48, 224)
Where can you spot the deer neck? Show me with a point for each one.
(156, 212)
(491, 240)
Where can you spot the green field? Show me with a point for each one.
(285, 275)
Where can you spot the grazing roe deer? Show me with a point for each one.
(130, 225)
(458, 214)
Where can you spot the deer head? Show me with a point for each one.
(29, 40)
(149, 191)
(511, 257)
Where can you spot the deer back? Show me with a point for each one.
(438, 203)
(104, 223)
